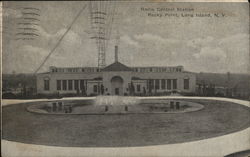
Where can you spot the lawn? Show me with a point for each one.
(216, 119)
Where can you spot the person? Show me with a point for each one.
(106, 108)
(126, 108)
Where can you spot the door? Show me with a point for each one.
(116, 91)
(116, 85)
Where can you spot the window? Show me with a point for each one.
(81, 84)
(168, 84)
(70, 84)
(58, 85)
(138, 88)
(157, 84)
(46, 84)
(151, 84)
(163, 84)
(174, 83)
(95, 88)
(64, 84)
(153, 69)
(186, 83)
(76, 84)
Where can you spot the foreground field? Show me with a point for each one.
(217, 118)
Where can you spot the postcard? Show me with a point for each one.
(125, 78)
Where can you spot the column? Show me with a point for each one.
(171, 84)
(160, 84)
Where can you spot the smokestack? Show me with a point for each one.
(116, 53)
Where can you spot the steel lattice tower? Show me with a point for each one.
(101, 16)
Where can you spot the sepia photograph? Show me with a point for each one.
(125, 78)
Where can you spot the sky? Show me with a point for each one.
(217, 44)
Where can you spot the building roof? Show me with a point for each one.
(117, 66)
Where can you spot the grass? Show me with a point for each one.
(217, 118)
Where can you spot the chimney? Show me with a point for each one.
(116, 53)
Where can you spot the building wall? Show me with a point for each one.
(180, 76)
(90, 87)
(107, 76)
(142, 84)
(53, 77)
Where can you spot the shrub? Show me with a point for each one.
(9, 95)
(93, 94)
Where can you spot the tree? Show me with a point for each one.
(24, 90)
(102, 89)
(150, 86)
(144, 91)
(132, 88)
(83, 90)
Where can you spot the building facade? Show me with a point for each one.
(116, 79)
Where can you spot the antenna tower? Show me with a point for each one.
(101, 19)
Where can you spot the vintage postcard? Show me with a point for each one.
(125, 78)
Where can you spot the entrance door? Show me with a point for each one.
(116, 85)
(116, 91)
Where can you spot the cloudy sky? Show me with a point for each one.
(200, 44)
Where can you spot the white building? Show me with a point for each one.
(116, 79)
